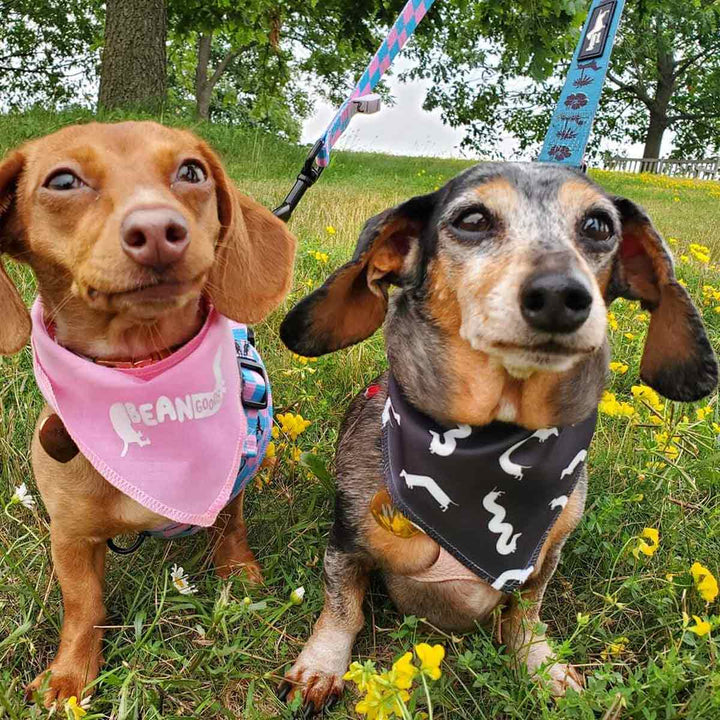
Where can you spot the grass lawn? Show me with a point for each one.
(221, 652)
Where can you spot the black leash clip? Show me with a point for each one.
(306, 179)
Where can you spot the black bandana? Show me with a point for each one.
(489, 495)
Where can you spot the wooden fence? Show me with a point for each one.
(701, 169)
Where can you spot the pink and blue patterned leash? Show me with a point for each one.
(361, 100)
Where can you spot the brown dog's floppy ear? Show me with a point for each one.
(351, 305)
(677, 361)
(254, 255)
(15, 323)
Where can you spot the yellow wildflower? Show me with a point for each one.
(618, 367)
(645, 548)
(303, 360)
(716, 428)
(642, 317)
(75, 710)
(702, 413)
(271, 450)
(330, 230)
(381, 703)
(612, 321)
(293, 425)
(403, 672)
(700, 628)
(705, 582)
(614, 648)
(361, 675)
(296, 454)
(700, 252)
(630, 336)
(684, 258)
(430, 658)
(682, 282)
(643, 392)
(610, 405)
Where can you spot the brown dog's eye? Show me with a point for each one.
(191, 172)
(473, 221)
(597, 227)
(63, 180)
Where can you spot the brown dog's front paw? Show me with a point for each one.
(561, 678)
(226, 567)
(60, 686)
(320, 690)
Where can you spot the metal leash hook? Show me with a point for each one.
(311, 171)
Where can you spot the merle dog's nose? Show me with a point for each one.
(155, 237)
(555, 302)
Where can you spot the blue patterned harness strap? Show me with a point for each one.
(572, 120)
(257, 404)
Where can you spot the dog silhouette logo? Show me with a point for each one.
(124, 416)
(123, 426)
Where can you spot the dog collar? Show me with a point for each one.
(487, 495)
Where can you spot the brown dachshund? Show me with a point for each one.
(496, 329)
(131, 230)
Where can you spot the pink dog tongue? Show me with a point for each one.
(169, 435)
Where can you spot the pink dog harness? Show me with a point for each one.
(181, 436)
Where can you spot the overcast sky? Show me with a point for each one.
(406, 129)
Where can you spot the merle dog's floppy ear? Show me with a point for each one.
(351, 305)
(15, 323)
(677, 361)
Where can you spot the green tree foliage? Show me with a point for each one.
(259, 59)
(48, 51)
(665, 72)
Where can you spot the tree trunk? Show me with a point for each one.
(653, 140)
(204, 82)
(134, 72)
(660, 105)
(203, 91)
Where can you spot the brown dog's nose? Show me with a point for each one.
(156, 237)
(555, 302)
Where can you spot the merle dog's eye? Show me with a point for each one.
(473, 221)
(597, 227)
(191, 171)
(63, 180)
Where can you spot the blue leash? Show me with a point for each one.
(571, 122)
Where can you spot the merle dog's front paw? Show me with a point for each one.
(320, 689)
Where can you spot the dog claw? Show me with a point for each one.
(309, 710)
(283, 690)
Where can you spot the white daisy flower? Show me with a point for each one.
(23, 497)
(180, 581)
(297, 595)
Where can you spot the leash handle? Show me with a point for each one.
(572, 120)
(129, 549)
(305, 180)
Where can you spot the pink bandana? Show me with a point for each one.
(169, 435)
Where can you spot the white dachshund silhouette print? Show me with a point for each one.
(507, 542)
(519, 574)
(514, 469)
(413, 481)
(559, 502)
(386, 413)
(570, 469)
(446, 446)
(193, 406)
